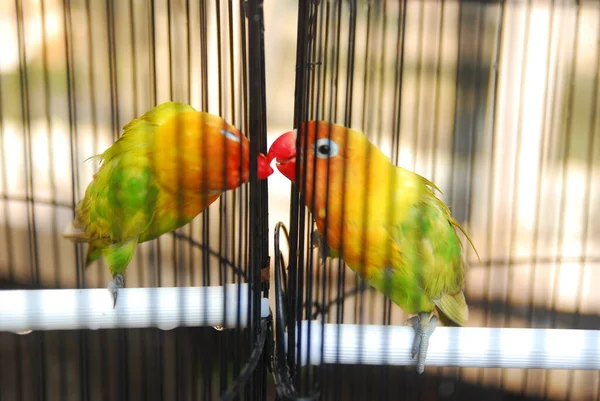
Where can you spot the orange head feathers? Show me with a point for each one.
(201, 152)
(332, 153)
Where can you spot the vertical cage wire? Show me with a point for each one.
(79, 71)
(496, 103)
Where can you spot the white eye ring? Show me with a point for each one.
(325, 148)
(230, 135)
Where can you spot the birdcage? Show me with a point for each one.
(191, 322)
(495, 103)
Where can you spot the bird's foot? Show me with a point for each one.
(117, 282)
(423, 324)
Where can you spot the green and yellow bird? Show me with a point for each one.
(167, 167)
(396, 233)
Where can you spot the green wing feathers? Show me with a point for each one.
(429, 271)
(124, 203)
(443, 264)
(119, 203)
(116, 209)
(430, 186)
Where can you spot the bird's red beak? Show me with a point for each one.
(264, 167)
(283, 150)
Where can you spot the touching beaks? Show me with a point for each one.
(264, 167)
(283, 149)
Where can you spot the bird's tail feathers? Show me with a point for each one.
(92, 254)
(454, 306)
(74, 232)
(446, 321)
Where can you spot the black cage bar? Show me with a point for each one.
(496, 103)
(83, 70)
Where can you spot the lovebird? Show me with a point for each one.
(168, 166)
(384, 221)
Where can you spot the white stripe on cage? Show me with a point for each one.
(452, 346)
(164, 307)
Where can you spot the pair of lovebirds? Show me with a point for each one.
(173, 162)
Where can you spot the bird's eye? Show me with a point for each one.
(325, 148)
(230, 135)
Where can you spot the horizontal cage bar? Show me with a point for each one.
(451, 346)
(165, 308)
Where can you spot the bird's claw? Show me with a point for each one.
(117, 282)
(424, 325)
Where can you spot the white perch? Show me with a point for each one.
(452, 346)
(164, 307)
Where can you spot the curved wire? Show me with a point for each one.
(281, 372)
(222, 259)
(246, 372)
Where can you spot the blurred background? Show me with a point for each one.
(499, 105)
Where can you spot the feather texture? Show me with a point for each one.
(385, 222)
(166, 168)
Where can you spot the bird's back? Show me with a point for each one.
(124, 199)
(401, 239)
(427, 265)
